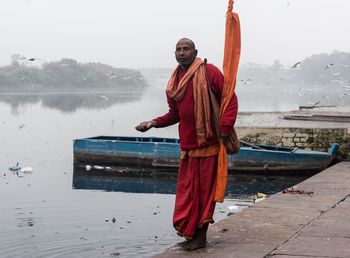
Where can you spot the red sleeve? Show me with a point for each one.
(170, 118)
(216, 79)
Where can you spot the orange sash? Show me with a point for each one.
(200, 95)
(201, 152)
(231, 59)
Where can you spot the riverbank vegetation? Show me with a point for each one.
(31, 75)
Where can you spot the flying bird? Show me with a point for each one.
(337, 81)
(316, 103)
(245, 81)
(111, 75)
(296, 65)
(104, 97)
(343, 95)
(328, 66)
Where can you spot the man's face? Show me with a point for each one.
(185, 53)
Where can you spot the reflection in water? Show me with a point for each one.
(70, 102)
(116, 179)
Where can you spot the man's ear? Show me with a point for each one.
(195, 52)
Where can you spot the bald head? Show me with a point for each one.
(185, 53)
(188, 41)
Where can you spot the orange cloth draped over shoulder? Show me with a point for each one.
(232, 53)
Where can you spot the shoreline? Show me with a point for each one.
(311, 222)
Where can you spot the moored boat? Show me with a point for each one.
(155, 153)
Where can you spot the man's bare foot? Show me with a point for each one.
(199, 240)
(195, 244)
(184, 243)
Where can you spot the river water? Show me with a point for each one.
(43, 215)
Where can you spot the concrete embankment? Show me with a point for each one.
(319, 139)
(310, 220)
(310, 132)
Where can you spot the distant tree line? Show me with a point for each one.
(320, 69)
(67, 74)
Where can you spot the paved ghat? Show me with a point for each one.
(311, 220)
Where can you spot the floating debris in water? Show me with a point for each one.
(26, 170)
(106, 219)
(115, 253)
(114, 220)
(292, 190)
(88, 167)
(98, 167)
(233, 208)
(15, 168)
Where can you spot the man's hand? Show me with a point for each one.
(145, 126)
(224, 137)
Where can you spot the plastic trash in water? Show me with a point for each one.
(26, 170)
(233, 208)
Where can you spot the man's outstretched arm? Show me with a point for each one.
(170, 118)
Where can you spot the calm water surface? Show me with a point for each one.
(42, 215)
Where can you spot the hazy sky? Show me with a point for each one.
(143, 33)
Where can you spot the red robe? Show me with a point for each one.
(194, 204)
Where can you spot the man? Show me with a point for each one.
(189, 103)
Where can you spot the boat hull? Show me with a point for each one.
(151, 153)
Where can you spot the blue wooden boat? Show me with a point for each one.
(154, 153)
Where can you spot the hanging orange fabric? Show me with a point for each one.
(232, 53)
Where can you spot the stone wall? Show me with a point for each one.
(309, 138)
